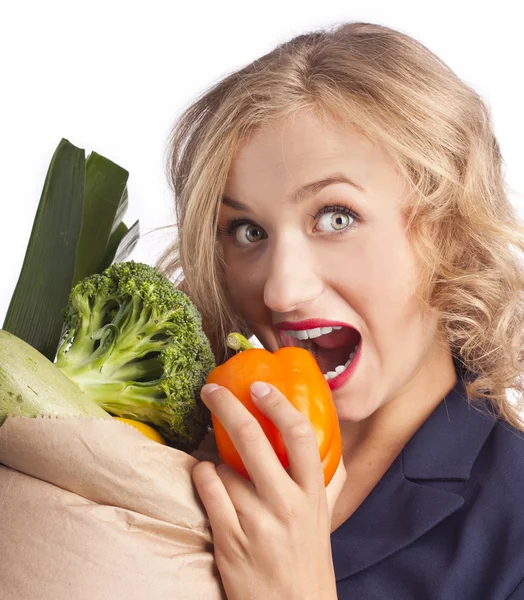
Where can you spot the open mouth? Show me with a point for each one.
(334, 348)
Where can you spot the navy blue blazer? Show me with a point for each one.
(446, 521)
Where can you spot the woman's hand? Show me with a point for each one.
(271, 534)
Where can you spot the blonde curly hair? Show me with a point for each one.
(461, 224)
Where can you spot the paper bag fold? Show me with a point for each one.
(90, 509)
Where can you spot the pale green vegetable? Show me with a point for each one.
(31, 385)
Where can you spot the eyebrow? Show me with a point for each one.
(304, 192)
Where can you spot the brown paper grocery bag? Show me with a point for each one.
(90, 509)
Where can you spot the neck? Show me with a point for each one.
(369, 447)
(381, 436)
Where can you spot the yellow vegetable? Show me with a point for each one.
(144, 429)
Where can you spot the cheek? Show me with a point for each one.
(378, 281)
(392, 308)
(378, 273)
(245, 283)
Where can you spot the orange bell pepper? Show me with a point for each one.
(294, 372)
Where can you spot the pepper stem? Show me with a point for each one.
(238, 342)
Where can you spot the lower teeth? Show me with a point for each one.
(341, 368)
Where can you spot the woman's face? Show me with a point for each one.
(338, 254)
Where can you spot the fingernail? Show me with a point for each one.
(259, 389)
(208, 388)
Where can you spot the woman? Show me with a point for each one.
(350, 179)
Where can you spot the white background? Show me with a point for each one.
(112, 76)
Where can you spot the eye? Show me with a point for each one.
(335, 218)
(248, 232)
(245, 232)
(332, 219)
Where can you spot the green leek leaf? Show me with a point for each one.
(105, 203)
(128, 242)
(42, 290)
(77, 229)
(121, 244)
(112, 245)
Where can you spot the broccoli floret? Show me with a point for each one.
(135, 345)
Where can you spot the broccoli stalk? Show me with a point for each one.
(135, 345)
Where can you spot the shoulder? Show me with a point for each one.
(503, 454)
(491, 518)
(496, 484)
(502, 460)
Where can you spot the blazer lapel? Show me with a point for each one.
(401, 508)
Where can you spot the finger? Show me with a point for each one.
(222, 515)
(335, 487)
(259, 458)
(241, 492)
(300, 441)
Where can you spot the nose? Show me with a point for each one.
(292, 278)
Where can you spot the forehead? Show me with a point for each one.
(295, 151)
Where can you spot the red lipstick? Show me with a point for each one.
(341, 379)
(309, 324)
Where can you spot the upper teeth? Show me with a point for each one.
(305, 334)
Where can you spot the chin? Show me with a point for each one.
(352, 412)
(357, 404)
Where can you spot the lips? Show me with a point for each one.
(344, 334)
(330, 350)
(310, 324)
